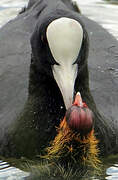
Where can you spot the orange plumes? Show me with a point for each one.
(74, 148)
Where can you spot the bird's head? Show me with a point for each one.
(60, 50)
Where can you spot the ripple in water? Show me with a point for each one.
(112, 172)
(102, 12)
(11, 173)
(9, 9)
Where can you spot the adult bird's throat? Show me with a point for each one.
(65, 37)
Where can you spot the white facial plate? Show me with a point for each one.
(64, 37)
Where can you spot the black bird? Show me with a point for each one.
(58, 70)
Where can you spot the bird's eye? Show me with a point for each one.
(43, 39)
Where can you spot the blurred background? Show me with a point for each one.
(105, 12)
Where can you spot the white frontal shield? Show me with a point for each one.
(64, 37)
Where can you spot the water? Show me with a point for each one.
(11, 173)
(97, 10)
(102, 12)
(9, 9)
(112, 172)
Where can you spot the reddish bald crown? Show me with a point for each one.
(79, 116)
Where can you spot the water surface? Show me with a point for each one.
(102, 12)
(8, 172)
(9, 9)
